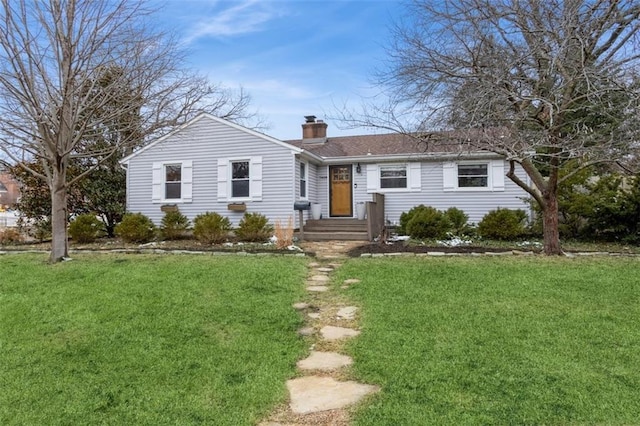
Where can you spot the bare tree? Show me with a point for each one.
(552, 85)
(54, 55)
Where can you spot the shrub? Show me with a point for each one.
(174, 225)
(254, 227)
(10, 236)
(405, 217)
(136, 228)
(428, 222)
(503, 224)
(211, 228)
(86, 228)
(458, 220)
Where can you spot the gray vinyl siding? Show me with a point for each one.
(311, 186)
(204, 142)
(474, 203)
(322, 193)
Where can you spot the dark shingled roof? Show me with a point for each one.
(379, 145)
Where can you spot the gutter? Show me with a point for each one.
(407, 157)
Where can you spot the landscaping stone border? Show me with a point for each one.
(495, 254)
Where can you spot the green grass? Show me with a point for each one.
(148, 340)
(498, 340)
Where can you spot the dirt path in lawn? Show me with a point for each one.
(321, 393)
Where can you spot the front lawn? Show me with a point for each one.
(153, 340)
(498, 340)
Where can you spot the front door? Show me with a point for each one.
(340, 191)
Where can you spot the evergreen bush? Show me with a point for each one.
(428, 222)
(458, 220)
(211, 228)
(86, 228)
(503, 224)
(174, 225)
(405, 217)
(136, 228)
(254, 227)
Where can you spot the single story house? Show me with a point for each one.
(210, 164)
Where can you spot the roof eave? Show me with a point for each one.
(434, 156)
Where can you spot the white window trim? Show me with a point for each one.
(239, 160)
(225, 173)
(495, 176)
(306, 180)
(159, 177)
(414, 176)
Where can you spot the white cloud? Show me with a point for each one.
(241, 17)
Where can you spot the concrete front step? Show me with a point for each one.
(337, 225)
(335, 235)
(343, 221)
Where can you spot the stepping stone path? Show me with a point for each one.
(318, 288)
(313, 393)
(348, 312)
(324, 361)
(320, 278)
(330, 332)
(322, 399)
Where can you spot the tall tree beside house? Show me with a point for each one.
(56, 54)
(547, 84)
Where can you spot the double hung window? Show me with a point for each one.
(172, 181)
(393, 177)
(240, 182)
(473, 175)
(303, 180)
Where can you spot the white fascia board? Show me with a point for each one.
(409, 157)
(316, 159)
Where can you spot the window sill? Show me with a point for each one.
(470, 189)
(391, 190)
(171, 201)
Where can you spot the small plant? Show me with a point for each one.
(211, 228)
(174, 225)
(254, 227)
(503, 224)
(136, 228)
(10, 236)
(458, 220)
(428, 222)
(284, 234)
(86, 228)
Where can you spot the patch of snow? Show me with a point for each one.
(399, 238)
(455, 241)
(535, 244)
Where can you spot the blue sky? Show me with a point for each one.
(294, 57)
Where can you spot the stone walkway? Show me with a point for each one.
(321, 395)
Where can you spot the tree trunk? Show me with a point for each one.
(550, 231)
(59, 249)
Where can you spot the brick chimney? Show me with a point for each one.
(314, 131)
